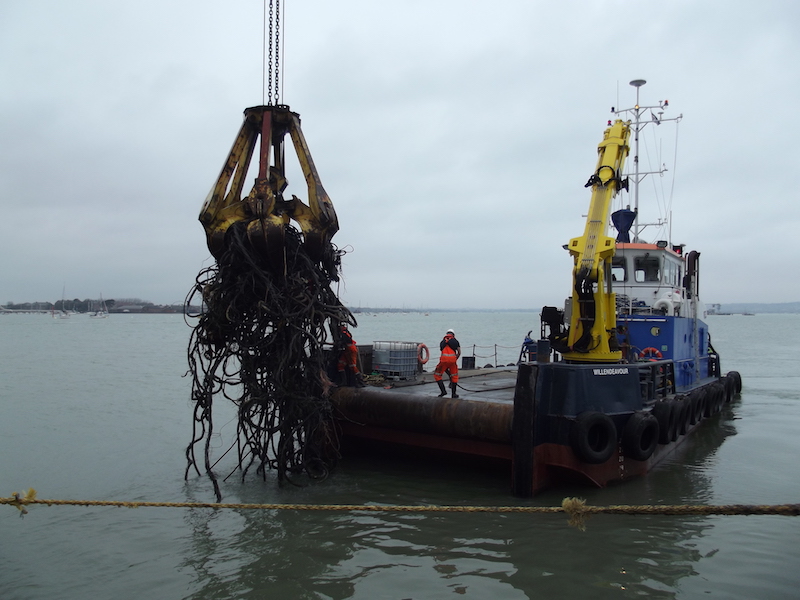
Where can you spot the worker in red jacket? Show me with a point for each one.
(448, 363)
(347, 366)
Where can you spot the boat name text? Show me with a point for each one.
(611, 371)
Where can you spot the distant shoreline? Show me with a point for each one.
(148, 308)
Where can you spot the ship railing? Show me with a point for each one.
(635, 306)
(492, 352)
(656, 379)
(714, 367)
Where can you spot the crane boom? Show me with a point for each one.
(592, 317)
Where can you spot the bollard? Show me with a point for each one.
(543, 351)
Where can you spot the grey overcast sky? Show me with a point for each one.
(454, 138)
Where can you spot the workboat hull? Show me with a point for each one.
(543, 423)
(604, 423)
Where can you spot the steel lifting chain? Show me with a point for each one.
(273, 85)
(277, 50)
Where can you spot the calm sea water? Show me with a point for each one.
(99, 409)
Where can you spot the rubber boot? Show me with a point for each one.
(441, 387)
(453, 387)
(359, 380)
(342, 378)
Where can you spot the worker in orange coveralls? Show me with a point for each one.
(448, 362)
(348, 361)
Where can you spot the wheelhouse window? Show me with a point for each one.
(619, 269)
(672, 273)
(646, 269)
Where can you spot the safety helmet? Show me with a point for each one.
(451, 331)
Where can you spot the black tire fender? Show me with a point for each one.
(675, 430)
(720, 396)
(737, 381)
(697, 398)
(727, 386)
(640, 435)
(665, 415)
(593, 437)
(711, 400)
(683, 408)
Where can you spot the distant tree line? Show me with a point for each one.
(132, 305)
(75, 305)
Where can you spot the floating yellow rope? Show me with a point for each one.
(576, 508)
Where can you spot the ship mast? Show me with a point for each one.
(637, 83)
(656, 116)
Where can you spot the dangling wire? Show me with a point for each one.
(266, 341)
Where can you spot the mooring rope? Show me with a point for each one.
(576, 508)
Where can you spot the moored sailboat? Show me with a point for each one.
(62, 313)
(101, 312)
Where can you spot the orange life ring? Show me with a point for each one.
(648, 352)
(423, 354)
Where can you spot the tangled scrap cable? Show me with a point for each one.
(259, 343)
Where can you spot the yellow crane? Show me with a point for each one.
(591, 336)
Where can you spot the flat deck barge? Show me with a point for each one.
(509, 415)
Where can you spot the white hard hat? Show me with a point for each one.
(450, 331)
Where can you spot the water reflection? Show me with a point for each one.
(305, 554)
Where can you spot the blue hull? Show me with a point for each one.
(684, 341)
